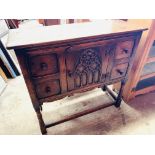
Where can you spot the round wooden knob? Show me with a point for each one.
(125, 50)
(69, 73)
(43, 66)
(48, 89)
(119, 71)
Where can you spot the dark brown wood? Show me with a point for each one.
(54, 69)
(41, 122)
(70, 21)
(43, 64)
(47, 22)
(28, 80)
(84, 67)
(62, 67)
(80, 90)
(106, 88)
(119, 97)
(47, 87)
(12, 23)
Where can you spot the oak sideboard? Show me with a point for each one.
(58, 61)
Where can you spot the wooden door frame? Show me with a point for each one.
(139, 62)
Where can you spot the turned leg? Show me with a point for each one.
(119, 97)
(41, 121)
(104, 88)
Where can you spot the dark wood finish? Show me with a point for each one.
(43, 64)
(106, 88)
(54, 69)
(119, 97)
(70, 21)
(47, 87)
(12, 23)
(86, 66)
(47, 22)
(41, 122)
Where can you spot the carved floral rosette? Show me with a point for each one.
(88, 68)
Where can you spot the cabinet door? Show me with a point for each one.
(86, 65)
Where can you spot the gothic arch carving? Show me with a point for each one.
(88, 68)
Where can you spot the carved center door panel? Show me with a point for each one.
(86, 66)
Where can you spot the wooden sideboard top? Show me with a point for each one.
(21, 37)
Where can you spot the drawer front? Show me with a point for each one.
(119, 71)
(47, 88)
(124, 49)
(43, 64)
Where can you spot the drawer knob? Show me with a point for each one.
(43, 66)
(125, 50)
(69, 73)
(119, 71)
(48, 89)
(103, 76)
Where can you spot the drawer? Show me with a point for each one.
(43, 64)
(119, 71)
(124, 49)
(45, 88)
